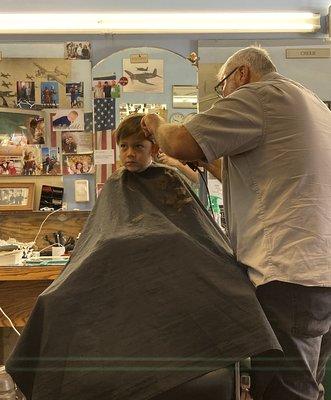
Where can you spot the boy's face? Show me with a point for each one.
(136, 153)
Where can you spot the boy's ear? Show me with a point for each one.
(154, 150)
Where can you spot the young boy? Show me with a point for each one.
(136, 152)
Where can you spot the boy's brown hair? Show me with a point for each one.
(130, 126)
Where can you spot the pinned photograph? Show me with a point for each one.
(78, 164)
(144, 77)
(32, 161)
(78, 50)
(103, 88)
(37, 130)
(11, 165)
(127, 109)
(50, 162)
(76, 142)
(49, 92)
(20, 128)
(25, 93)
(75, 94)
(68, 120)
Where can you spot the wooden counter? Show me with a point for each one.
(19, 289)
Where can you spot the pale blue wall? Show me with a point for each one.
(104, 45)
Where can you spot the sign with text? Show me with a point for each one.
(138, 58)
(308, 53)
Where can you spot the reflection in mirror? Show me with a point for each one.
(184, 96)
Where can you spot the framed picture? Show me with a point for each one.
(184, 96)
(16, 196)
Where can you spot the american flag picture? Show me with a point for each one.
(104, 124)
(104, 114)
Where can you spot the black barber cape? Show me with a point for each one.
(151, 298)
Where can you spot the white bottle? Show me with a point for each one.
(7, 385)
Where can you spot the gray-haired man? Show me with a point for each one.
(275, 138)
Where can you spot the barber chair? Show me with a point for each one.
(230, 383)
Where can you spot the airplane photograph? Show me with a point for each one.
(2, 75)
(142, 78)
(31, 77)
(54, 75)
(6, 84)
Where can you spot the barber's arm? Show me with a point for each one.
(174, 140)
(185, 169)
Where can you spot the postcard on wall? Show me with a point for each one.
(144, 77)
(68, 120)
(76, 142)
(78, 50)
(75, 94)
(104, 157)
(76, 164)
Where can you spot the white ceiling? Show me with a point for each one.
(153, 5)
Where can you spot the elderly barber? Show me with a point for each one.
(275, 138)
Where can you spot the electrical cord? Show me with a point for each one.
(10, 321)
(208, 194)
(53, 212)
(34, 242)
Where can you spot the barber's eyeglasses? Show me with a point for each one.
(219, 87)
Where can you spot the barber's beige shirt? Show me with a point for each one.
(275, 136)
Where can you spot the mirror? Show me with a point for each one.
(141, 80)
(184, 96)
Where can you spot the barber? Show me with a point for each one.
(275, 139)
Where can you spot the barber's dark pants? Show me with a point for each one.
(301, 319)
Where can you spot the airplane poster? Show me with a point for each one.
(144, 77)
(21, 81)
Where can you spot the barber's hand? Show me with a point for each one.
(164, 159)
(149, 124)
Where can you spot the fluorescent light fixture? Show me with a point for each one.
(161, 22)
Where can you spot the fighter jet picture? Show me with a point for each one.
(142, 69)
(6, 84)
(5, 75)
(42, 72)
(142, 78)
(30, 77)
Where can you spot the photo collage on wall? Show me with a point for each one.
(34, 141)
